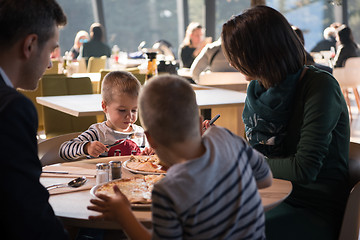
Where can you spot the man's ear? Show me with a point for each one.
(30, 43)
(151, 141)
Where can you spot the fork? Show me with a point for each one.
(118, 143)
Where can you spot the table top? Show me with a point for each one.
(72, 209)
(90, 104)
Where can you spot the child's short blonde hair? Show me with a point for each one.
(118, 82)
(168, 109)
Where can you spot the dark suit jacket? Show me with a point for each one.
(26, 212)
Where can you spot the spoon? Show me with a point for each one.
(77, 182)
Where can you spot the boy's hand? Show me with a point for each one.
(205, 125)
(95, 148)
(148, 151)
(114, 208)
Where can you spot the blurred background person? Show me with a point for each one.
(328, 41)
(192, 44)
(80, 38)
(347, 47)
(210, 58)
(309, 58)
(96, 46)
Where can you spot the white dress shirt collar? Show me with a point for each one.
(6, 79)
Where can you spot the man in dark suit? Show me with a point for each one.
(29, 33)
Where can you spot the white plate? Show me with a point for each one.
(139, 172)
(133, 205)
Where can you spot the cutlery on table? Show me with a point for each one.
(75, 183)
(118, 143)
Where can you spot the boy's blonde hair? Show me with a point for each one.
(118, 82)
(168, 109)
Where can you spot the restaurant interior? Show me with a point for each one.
(68, 98)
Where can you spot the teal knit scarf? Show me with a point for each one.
(267, 112)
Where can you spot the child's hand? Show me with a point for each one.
(114, 208)
(148, 151)
(205, 125)
(95, 148)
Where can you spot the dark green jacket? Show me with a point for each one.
(317, 146)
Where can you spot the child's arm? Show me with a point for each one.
(95, 148)
(148, 151)
(118, 209)
(265, 182)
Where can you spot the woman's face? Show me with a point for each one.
(82, 40)
(196, 36)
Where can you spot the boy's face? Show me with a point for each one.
(121, 112)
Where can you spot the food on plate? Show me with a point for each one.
(137, 189)
(145, 164)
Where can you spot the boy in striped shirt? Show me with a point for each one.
(210, 190)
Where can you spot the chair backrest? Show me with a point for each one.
(48, 150)
(82, 65)
(54, 69)
(103, 72)
(353, 62)
(352, 71)
(96, 64)
(39, 108)
(227, 80)
(354, 163)
(351, 220)
(58, 123)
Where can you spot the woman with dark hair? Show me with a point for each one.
(96, 46)
(297, 117)
(347, 48)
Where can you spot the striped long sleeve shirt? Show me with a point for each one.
(73, 149)
(214, 196)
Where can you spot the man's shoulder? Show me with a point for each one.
(9, 95)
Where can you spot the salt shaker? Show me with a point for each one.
(102, 173)
(115, 169)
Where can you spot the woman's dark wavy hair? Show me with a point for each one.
(23, 17)
(261, 43)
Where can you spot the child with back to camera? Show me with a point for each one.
(119, 93)
(210, 189)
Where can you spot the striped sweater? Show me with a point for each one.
(214, 196)
(73, 149)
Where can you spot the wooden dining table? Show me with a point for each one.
(229, 104)
(71, 207)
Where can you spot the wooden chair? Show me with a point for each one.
(96, 64)
(58, 123)
(226, 80)
(351, 220)
(48, 150)
(54, 69)
(82, 65)
(348, 77)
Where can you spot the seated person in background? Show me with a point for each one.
(119, 92)
(80, 38)
(309, 58)
(298, 118)
(211, 57)
(328, 41)
(209, 192)
(192, 44)
(96, 46)
(347, 47)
